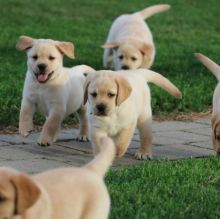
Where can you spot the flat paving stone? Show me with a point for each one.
(171, 140)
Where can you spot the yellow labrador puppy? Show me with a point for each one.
(64, 193)
(215, 69)
(120, 101)
(130, 43)
(50, 88)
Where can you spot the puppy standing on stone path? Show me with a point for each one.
(130, 43)
(50, 88)
(120, 101)
(64, 193)
(215, 69)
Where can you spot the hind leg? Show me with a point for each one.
(145, 132)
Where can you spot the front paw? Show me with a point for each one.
(82, 138)
(45, 141)
(25, 132)
(143, 156)
(120, 152)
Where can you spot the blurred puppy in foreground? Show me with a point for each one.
(64, 193)
(50, 88)
(215, 69)
(118, 102)
(130, 43)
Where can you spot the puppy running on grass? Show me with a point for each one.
(64, 193)
(118, 103)
(215, 69)
(50, 88)
(130, 43)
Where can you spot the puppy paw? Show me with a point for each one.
(44, 141)
(143, 156)
(120, 152)
(82, 138)
(24, 132)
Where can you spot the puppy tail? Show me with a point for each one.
(148, 12)
(103, 160)
(212, 66)
(161, 81)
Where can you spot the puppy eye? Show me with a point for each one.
(2, 198)
(35, 57)
(51, 58)
(110, 95)
(94, 94)
(121, 57)
(133, 58)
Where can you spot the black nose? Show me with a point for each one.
(101, 107)
(41, 67)
(125, 67)
(218, 153)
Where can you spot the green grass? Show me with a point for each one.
(190, 26)
(166, 189)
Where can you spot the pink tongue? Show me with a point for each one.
(42, 77)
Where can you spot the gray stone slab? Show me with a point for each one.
(171, 140)
(174, 152)
(184, 136)
(200, 131)
(204, 144)
(33, 166)
(170, 126)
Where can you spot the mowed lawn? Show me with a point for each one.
(190, 26)
(187, 189)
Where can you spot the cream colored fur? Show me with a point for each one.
(64, 193)
(130, 43)
(118, 103)
(55, 91)
(215, 69)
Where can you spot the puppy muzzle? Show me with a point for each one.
(101, 109)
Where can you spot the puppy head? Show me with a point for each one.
(17, 193)
(45, 57)
(216, 133)
(131, 55)
(105, 91)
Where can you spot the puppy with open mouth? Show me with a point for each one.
(130, 43)
(120, 101)
(215, 69)
(49, 87)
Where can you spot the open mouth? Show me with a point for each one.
(43, 77)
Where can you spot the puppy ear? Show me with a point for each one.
(24, 43)
(216, 125)
(110, 46)
(124, 89)
(27, 192)
(86, 91)
(66, 48)
(146, 50)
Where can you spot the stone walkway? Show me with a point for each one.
(172, 140)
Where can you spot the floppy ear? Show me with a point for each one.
(27, 192)
(110, 46)
(216, 125)
(124, 89)
(146, 50)
(86, 91)
(66, 48)
(24, 43)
